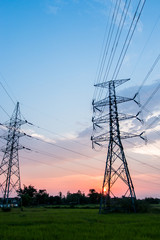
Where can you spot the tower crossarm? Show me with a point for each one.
(18, 135)
(116, 83)
(106, 137)
(11, 127)
(106, 101)
(19, 147)
(131, 135)
(99, 121)
(101, 138)
(116, 169)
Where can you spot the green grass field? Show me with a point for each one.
(75, 224)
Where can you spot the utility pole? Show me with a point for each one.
(116, 164)
(9, 168)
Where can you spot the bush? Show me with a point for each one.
(6, 209)
(142, 206)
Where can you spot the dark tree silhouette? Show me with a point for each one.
(27, 195)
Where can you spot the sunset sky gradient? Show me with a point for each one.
(50, 50)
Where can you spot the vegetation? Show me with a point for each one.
(76, 216)
(33, 197)
(41, 223)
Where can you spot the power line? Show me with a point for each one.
(128, 38)
(149, 73)
(4, 79)
(86, 146)
(102, 48)
(126, 44)
(66, 169)
(75, 171)
(66, 149)
(60, 135)
(84, 155)
(146, 150)
(151, 96)
(149, 37)
(110, 34)
(142, 180)
(7, 94)
(117, 38)
(156, 177)
(146, 164)
(56, 166)
(57, 157)
(4, 111)
(108, 40)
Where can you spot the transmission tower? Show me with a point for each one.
(9, 168)
(116, 164)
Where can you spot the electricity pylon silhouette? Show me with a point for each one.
(116, 164)
(9, 168)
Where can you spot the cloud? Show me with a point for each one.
(103, 2)
(67, 136)
(129, 15)
(147, 149)
(34, 134)
(52, 9)
(151, 117)
(54, 6)
(85, 133)
(3, 127)
(63, 170)
(155, 113)
(43, 138)
(140, 26)
(80, 141)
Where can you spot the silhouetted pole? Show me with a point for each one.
(9, 168)
(116, 165)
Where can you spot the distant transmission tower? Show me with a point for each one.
(9, 168)
(116, 164)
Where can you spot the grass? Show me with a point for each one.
(156, 207)
(76, 224)
(79, 206)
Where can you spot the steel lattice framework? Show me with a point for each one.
(9, 168)
(116, 164)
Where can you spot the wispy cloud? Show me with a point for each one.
(147, 150)
(54, 6)
(3, 127)
(52, 9)
(43, 138)
(67, 136)
(129, 15)
(155, 113)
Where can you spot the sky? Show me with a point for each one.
(50, 55)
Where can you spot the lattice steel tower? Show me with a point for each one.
(9, 168)
(116, 164)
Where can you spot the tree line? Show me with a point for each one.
(30, 196)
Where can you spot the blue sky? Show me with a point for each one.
(50, 50)
(47, 53)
